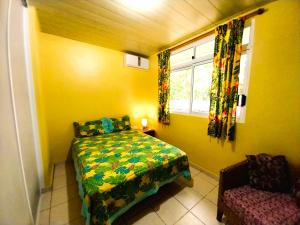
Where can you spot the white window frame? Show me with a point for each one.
(247, 49)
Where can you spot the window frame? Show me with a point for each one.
(193, 45)
(192, 64)
(246, 49)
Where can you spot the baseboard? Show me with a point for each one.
(203, 170)
(49, 187)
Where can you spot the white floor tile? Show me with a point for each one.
(43, 217)
(188, 197)
(64, 194)
(213, 195)
(170, 211)
(200, 199)
(63, 169)
(202, 186)
(189, 219)
(208, 178)
(206, 211)
(194, 171)
(146, 217)
(62, 181)
(65, 212)
(45, 200)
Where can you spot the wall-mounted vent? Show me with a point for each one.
(136, 61)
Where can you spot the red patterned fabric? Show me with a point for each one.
(256, 207)
(268, 173)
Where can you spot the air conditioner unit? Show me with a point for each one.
(136, 61)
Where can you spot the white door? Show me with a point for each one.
(19, 192)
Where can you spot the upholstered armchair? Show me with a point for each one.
(244, 205)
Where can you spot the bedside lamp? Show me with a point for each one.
(144, 123)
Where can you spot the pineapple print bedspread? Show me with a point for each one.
(117, 170)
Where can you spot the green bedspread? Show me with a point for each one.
(117, 170)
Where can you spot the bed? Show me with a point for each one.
(119, 169)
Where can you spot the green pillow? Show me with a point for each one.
(121, 123)
(89, 128)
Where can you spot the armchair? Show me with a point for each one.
(243, 205)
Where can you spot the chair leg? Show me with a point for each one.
(219, 215)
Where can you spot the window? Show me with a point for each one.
(191, 72)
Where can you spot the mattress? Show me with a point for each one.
(117, 170)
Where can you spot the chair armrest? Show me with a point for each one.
(233, 176)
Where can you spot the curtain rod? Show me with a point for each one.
(211, 31)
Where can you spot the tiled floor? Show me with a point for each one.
(173, 204)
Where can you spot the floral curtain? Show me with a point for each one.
(225, 80)
(164, 86)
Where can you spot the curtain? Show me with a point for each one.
(164, 86)
(225, 80)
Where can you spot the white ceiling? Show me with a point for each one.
(114, 24)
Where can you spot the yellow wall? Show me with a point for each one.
(83, 82)
(77, 81)
(40, 104)
(273, 108)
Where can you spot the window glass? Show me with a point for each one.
(246, 36)
(238, 111)
(191, 78)
(205, 49)
(182, 57)
(201, 88)
(242, 81)
(180, 90)
(243, 66)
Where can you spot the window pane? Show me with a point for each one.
(238, 111)
(242, 80)
(242, 75)
(201, 89)
(180, 90)
(246, 36)
(205, 49)
(182, 57)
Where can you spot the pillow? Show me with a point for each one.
(107, 125)
(89, 128)
(296, 191)
(121, 123)
(268, 173)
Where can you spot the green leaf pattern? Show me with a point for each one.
(225, 80)
(117, 168)
(164, 86)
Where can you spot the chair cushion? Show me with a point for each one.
(256, 207)
(268, 173)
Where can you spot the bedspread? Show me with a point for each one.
(117, 170)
